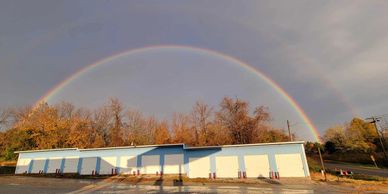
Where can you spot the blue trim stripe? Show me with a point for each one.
(161, 162)
(98, 164)
(30, 166)
(118, 161)
(45, 168)
(80, 160)
(62, 165)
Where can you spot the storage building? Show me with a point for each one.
(284, 159)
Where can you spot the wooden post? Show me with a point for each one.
(374, 161)
(323, 165)
(380, 139)
(289, 130)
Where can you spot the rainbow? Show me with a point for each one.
(268, 80)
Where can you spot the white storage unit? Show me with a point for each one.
(88, 165)
(257, 166)
(107, 164)
(290, 165)
(199, 167)
(23, 165)
(257, 160)
(71, 164)
(227, 166)
(173, 164)
(54, 164)
(150, 164)
(128, 164)
(38, 165)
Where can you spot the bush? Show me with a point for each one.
(7, 169)
(9, 154)
(330, 147)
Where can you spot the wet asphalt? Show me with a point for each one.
(25, 184)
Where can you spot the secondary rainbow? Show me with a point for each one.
(251, 69)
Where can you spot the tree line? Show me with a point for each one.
(354, 141)
(63, 125)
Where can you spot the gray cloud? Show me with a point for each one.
(329, 55)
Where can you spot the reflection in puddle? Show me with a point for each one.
(125, 188)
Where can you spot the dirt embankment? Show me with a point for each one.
(357, 185)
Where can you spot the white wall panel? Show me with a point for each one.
(150, 164)
(38, 165)
(107, 164)
(71, 164)
(227, 166)
(128, 164)
(22, 165)
(257, 166)
(173, 164)
(199, 167)
(54, 164)
(88, 165)
(289, 165)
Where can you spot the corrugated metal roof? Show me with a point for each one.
(164, 145)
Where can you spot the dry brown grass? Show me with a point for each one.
(315, 176)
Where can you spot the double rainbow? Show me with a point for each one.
(291, 101)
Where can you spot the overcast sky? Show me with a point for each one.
(330, 56)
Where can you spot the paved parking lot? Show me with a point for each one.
(24, 184)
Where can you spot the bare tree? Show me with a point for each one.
(243, 127)
(234, 116)
(65, 110)
(115, 133)
(181, 129)
(201, 115)
(5, 115)
(162, 133)
(20, 114)
(218, 134)
(152, 126)
(102, 123)
(136, 132)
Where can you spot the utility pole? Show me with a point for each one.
(323, 165)
(289, 130)
(374, 121)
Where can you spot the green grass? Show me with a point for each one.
(368, 177)
(354, 164)
(360, 159)
(314, 165)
